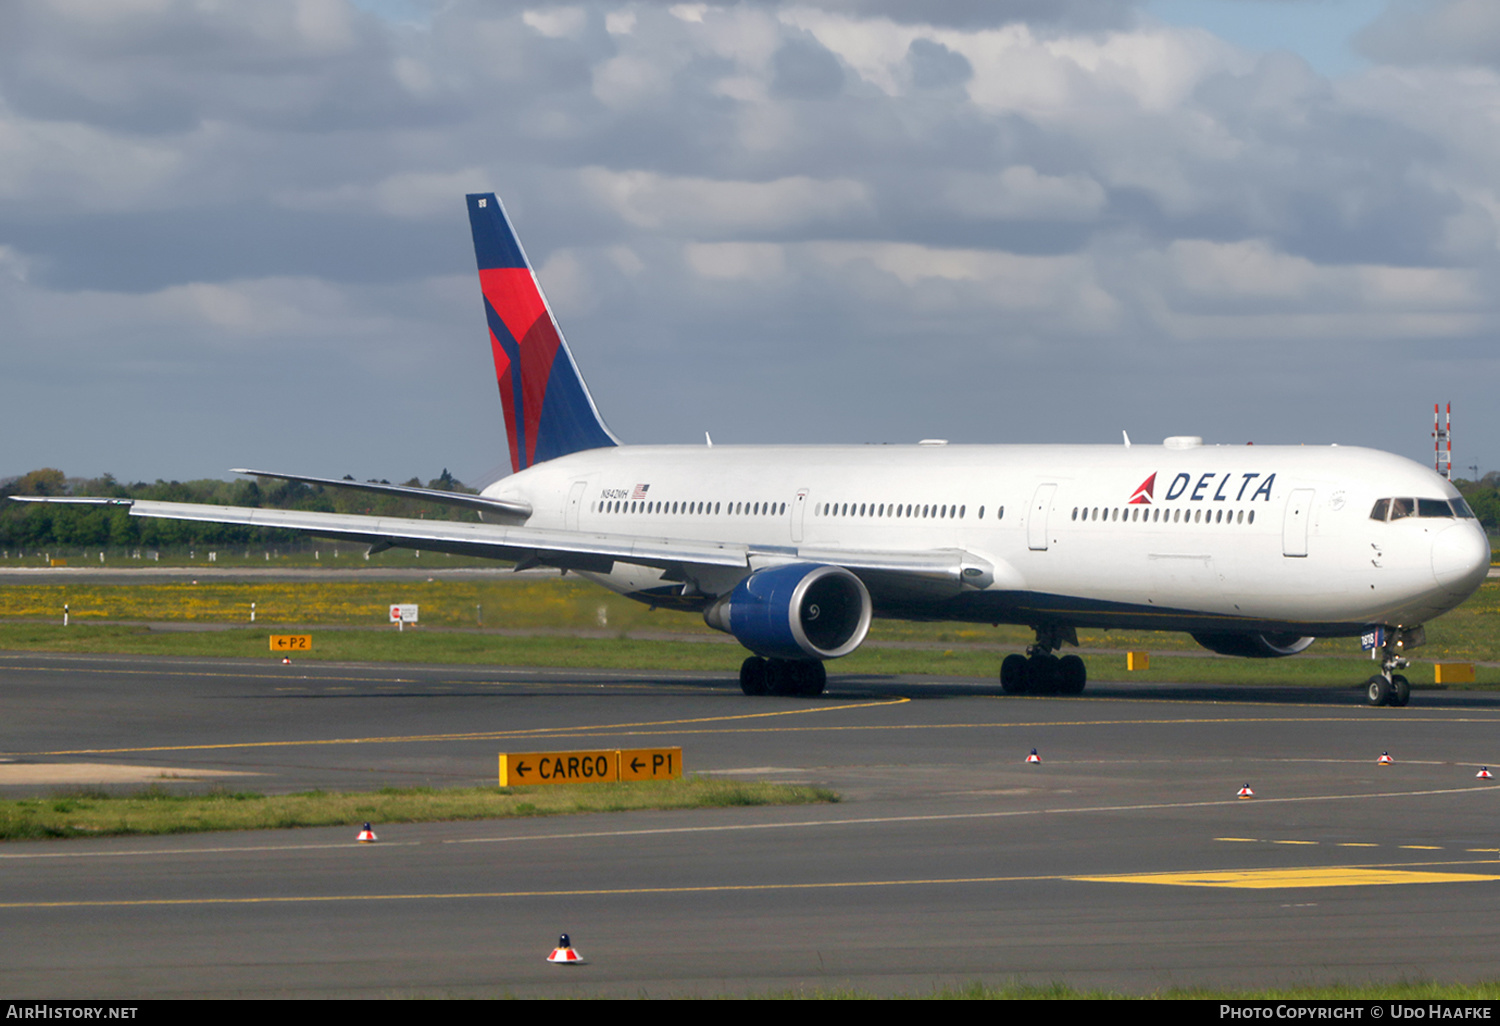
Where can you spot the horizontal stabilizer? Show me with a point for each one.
(505, 507)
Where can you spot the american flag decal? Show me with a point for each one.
(640, 491)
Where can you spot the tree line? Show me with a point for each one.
(33, 525)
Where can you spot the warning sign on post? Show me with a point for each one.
(404, 612)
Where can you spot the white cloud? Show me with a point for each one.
(83, 167)
(1021, 192)
(406, 195)
(701, 206)
(1062, 288)
(1128, 199)
(1251, 270)
(557, 22)
(755, 261)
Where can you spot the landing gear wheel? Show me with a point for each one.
(1043, 677)
(1072, 675)
(753, 676)
(1013, 675)
(779, 677)
(807, 678)
(1400, 691)
(1378, 690)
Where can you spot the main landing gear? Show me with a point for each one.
(1388, 687)
(1039, 672)
(782, 676)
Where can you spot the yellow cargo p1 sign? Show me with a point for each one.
(558, 768)
(651, 764)
(590, 767)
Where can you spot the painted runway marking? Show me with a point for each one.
(489, 735)
(1311, 876)
(656, 728)
(861, 821)
(345, 845)
(809, 824)
(941, 817)
(1328, 876)
(1336, 844)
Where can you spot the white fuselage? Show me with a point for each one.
(1223, 537)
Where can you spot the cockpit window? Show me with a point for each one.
(1395, 509)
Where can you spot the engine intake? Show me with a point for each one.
(1254, 646)
(797, 611)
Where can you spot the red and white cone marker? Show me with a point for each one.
(287, 661)
(1484, 773)
(1033, 757)
(565, 953)
(1384, 760)
(366, 836)
(1245, 792)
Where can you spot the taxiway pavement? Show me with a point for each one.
(1122, 861)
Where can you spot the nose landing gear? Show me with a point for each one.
(1388, 687)
(1393, 691)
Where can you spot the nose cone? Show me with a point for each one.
(1461, 557)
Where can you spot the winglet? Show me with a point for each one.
(548, 409)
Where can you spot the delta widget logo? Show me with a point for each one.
(1142, 496)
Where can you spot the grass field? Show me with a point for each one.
(154, 811)
(564, 621)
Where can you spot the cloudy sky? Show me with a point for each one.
(234, 234)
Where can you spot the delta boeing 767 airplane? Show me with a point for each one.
(1253, 550)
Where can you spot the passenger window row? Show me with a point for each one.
(827, 509)
(1158, 515)
(898, 510)
(754, 509)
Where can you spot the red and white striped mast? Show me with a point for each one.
(1442, 440)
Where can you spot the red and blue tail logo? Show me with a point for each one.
(548, 410)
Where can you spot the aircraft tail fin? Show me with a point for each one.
(548, 409)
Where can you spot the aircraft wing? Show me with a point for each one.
(527, 546)
(948, 569)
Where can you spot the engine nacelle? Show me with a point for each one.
(797, 611)
(1254, 646)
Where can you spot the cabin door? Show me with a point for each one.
(575, 500)
(1036, 521)
(1294, 527)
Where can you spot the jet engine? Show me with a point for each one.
(797, 611)
(1254, 646)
